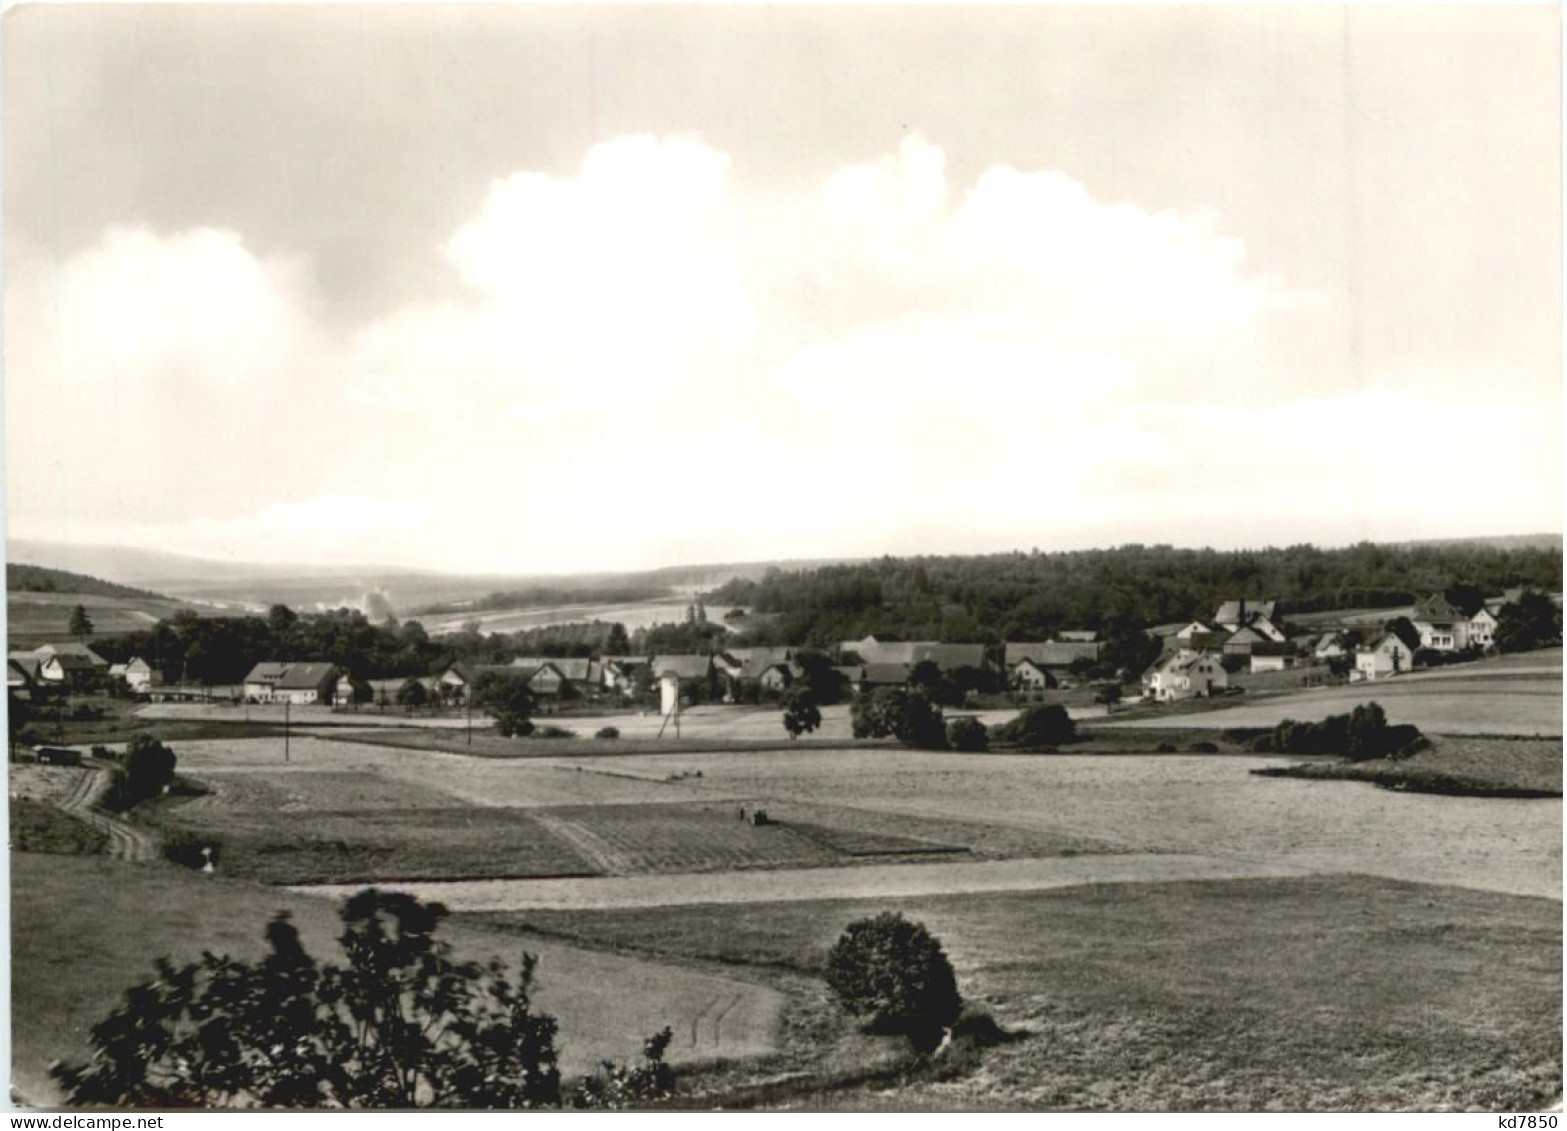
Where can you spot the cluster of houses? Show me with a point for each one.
(1198, 658)
(864, 666)
(65, 666)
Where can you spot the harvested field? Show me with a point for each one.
(370, 845)
(69, 969)
(1448, 702)
(1479, 767)
(1312, 994)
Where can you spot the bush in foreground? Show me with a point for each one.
(400, 1025)
(608, 732)
(1046, 725)
(143, 770)
(893, 973)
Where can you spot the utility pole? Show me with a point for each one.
(287, 706)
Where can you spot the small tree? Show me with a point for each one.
(141, 771)
(902, 713)
(801, 714)
(893, 973)
(1108, 695)
(81, 624)
(508, 699)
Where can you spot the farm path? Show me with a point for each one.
(795, 884)
(125, 841)
(594, 848)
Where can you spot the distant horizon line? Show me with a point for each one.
(804, 561)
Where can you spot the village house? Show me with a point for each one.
(82, 655)
(1330, 646)
(137, 674)
(1482, 628)
(619, 673)
(288, 682)
(1386, 656)
(1185, 675)
(1233, 616)
(1030, 675)
(1442, 627)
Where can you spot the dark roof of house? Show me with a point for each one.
(288, 676)
(1230, 611)
(884, 673)
(1437, 609)
(683, 667)
(770, 655)
(1053, 653)
(948, 657)
(81, 651)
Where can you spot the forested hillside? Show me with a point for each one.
(41, 579)
(1021, 596)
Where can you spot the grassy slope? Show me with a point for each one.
(1339, 993)
(84, 929)
(40, 827)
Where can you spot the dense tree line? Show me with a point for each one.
(1020, 596)
(548, 597)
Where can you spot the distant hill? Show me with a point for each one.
(23, 578)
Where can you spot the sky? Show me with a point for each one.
(551, 288)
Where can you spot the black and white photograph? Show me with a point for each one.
(773, 557)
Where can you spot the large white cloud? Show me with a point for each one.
(653, 360)
(603, 288)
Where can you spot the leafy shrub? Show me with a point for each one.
(1260, 744)
(1046, 725)
(614, 1086)
(183, 847)
(102, 752)
(553, 731)
(1362, 734)
(968, 734)
(1203, 748)
(902, 713)
(398, 1025)
(893, 973)
(1164, 748)
(608, 732)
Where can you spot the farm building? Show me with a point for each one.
(1331, 645)
(1029, 675)
(946, 657)
(686, 670)
(288, 682)
(1242, 613)
(1386, 656)
(1185, 675)
(82, 658)
(1052, 654)
(1270, 657)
